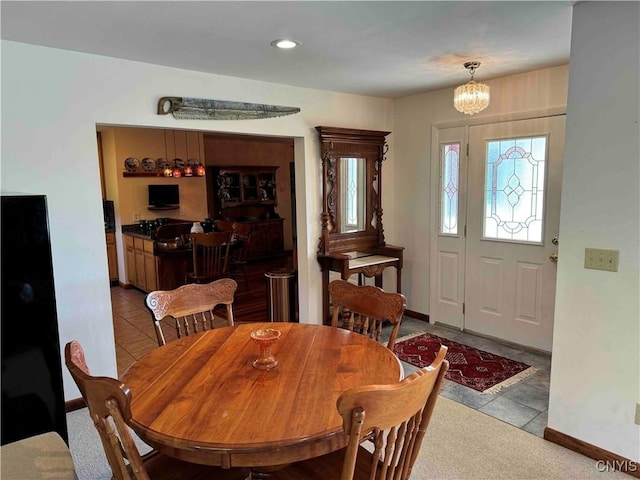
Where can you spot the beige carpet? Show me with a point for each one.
(461, 444)
(464, 444)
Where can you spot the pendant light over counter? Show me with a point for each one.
(190, 166)
(472, 97)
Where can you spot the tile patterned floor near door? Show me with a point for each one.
(524, 404)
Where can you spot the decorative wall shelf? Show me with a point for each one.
(173, 207)
(156, 174)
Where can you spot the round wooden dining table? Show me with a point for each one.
(200, 399)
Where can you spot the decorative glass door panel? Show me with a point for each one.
(450, 188)
(514, 189)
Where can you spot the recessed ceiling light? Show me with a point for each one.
(285, 44)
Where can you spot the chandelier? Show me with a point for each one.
(472, 97)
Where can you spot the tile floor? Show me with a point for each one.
(523, 405)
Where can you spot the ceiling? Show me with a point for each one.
(387, 49)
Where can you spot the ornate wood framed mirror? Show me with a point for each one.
(351, 167)
(352, 239)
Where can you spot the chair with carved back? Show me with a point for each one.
(394, 417)
(210, 256)
(192, 307)
(240, 250)
(109, 404)
(364, 309)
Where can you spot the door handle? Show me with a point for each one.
(554, 257)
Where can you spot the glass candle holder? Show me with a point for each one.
(265, 338)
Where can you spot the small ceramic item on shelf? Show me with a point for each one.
(148, 164)
(132, 164)
(162, 163)
(197, 228)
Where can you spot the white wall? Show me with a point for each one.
(513, 97)
(51, 102)
(595, 371)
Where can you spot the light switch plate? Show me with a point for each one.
(599, 259)
(638, 413)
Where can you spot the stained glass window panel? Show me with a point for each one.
(352, 174)
(449, 190)
(514, 189)
(352, 192)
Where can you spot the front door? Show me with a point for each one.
(512, 217)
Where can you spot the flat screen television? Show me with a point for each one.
(164, 196)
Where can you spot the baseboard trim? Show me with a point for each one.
(605, 460)
(73, 405)
(417, 315)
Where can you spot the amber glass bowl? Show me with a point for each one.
(265, 338)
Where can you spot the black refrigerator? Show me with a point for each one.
(31, 376)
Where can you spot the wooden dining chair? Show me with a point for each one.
(395, 417)
(109, 404)
(210, 256)
(364, 309)
(192, 306)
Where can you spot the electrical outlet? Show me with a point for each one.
(136, 217)
(638, 413)
(598, 259)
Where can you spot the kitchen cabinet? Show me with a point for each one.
(141, 263)
(130, 260)
(150, 268)
(112, 256)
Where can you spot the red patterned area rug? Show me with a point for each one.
(483, 371)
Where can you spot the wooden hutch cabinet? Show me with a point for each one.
(248, 194)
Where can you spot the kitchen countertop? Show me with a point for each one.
(168, 230)
(138, 235)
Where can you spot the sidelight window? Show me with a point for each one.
(449, 188)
